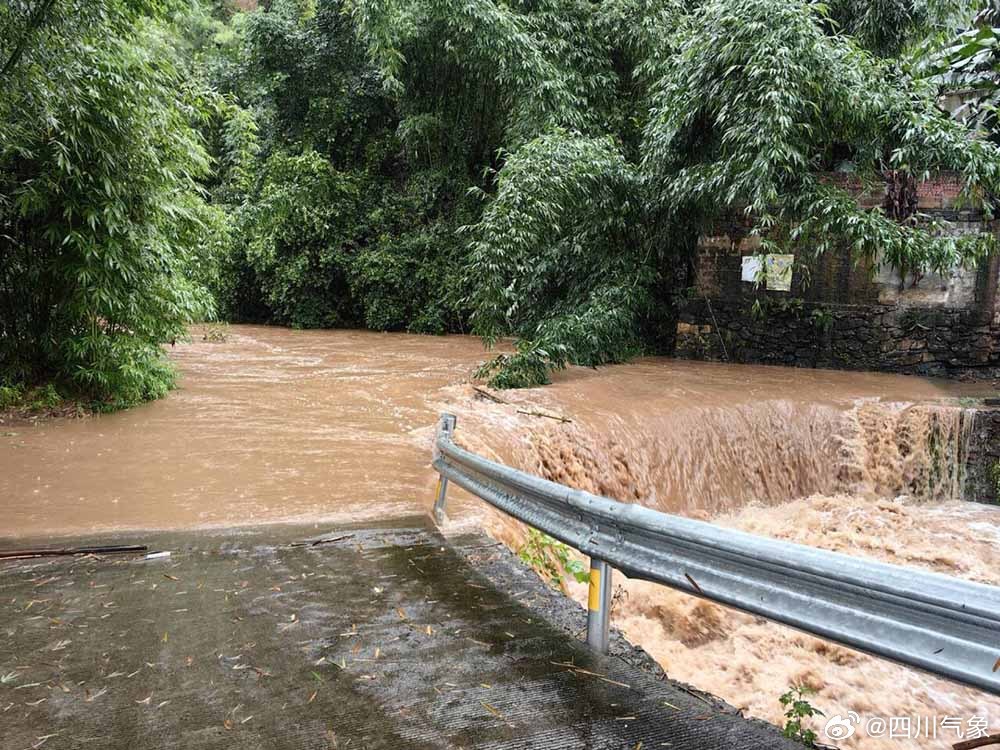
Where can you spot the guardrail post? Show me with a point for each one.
(446, 426)
(599, 605)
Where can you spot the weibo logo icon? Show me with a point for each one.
(841, 727)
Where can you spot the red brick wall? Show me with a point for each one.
(939, 192)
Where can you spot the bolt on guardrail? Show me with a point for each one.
(937, 623)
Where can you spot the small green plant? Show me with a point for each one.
(760, 309)
(20, 397)
(10, 396)
(797, 710)
(791, 306)
(551, 558)
(46, 397)
(822, 319)
(995, 477)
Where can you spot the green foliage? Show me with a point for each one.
(47, 396)
(551, 559)
(965, 61)
(757, 100)
(411, 281)
(19, 397)
(995, 477)
(822, 319)
(11, 395)
(797, 710)
(344, 207)
(558, 196)
(299, 231)
(546, 167)
(888, 27)
(537, 170)
(104, 227)
(749, 102)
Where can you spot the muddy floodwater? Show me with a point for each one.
(326, 426)
(272, 424)
(275, 424)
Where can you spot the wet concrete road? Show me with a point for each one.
(378, 638)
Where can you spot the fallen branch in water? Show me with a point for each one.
(531, 413)
(993, 739)
(694, 583)
(486, 394)
(16, 554)
(324, 540)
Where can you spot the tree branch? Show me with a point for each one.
(33, 25)
(993, 739)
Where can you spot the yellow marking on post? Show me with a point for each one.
(437, 491)
(594, 596)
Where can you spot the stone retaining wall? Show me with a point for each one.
(925, 341)
(982, 483)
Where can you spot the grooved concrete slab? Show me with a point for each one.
(381, 638)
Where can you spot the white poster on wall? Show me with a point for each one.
(751, 268)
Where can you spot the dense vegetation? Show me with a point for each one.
(537, 169)
(102, 223)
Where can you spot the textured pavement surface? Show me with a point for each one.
(377, 638)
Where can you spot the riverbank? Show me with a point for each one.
(21, 405)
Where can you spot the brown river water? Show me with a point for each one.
(336, 426)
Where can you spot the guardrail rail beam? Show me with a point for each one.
(943, 625)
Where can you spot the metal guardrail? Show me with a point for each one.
(940, 624)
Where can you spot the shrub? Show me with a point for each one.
(797, 710)
(10, 396)
(551, 559)
(104, 228)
